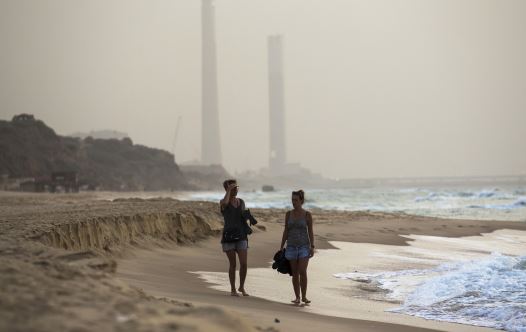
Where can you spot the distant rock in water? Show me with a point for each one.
(267, 188)
(32, 149)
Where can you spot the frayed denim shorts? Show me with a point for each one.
(238, 245)
(295, 253)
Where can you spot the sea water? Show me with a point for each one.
(488, 292)
(494, 203)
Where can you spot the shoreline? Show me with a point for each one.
(355, 294)
(79, 256)
(262, 249)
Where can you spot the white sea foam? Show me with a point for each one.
(467, 203)
(456, 282)
(386, 267)
(519, 203)
(489, 292)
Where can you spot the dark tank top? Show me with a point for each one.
(233, 218)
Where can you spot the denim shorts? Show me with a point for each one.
(294, 253)
(238, 245)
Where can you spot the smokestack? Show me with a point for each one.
(277, 158)
(210, 143)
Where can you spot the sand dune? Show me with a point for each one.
(57, 264)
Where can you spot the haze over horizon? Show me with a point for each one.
(374, 88)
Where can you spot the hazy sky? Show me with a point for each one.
(372, 88)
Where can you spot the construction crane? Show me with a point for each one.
(177, 126)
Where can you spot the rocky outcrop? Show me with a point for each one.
(30, 149)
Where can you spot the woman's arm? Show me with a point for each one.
(285, 232)
(311, 233)
(224, 202)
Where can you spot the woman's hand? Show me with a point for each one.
(311, 253)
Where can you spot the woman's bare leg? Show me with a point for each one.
(243, 255)
(295, 280)
(231, 254)
(302, 271)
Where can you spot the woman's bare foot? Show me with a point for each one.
(242, 290)
(305, 300)
(296, 301)
(234, 293)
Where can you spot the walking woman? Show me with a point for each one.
(234, 239)
(299, 236)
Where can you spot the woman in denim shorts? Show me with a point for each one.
(232, 210)
(299, 236)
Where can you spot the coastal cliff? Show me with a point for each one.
(31, 149)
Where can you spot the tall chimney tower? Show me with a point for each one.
(210, 143)
(277, 158)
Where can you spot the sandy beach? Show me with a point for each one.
(80, 263)
(131, 130)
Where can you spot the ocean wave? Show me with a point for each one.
(519, 203)
(410, 190)
(430, 197)
(489, 292)
(487, 193)
(451, 195)
(470, 203)
(268, 205)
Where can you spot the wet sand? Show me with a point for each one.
(82, 263)
(337, 304)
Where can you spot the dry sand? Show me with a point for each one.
(78, 263)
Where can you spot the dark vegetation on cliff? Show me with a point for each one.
(30, 149)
